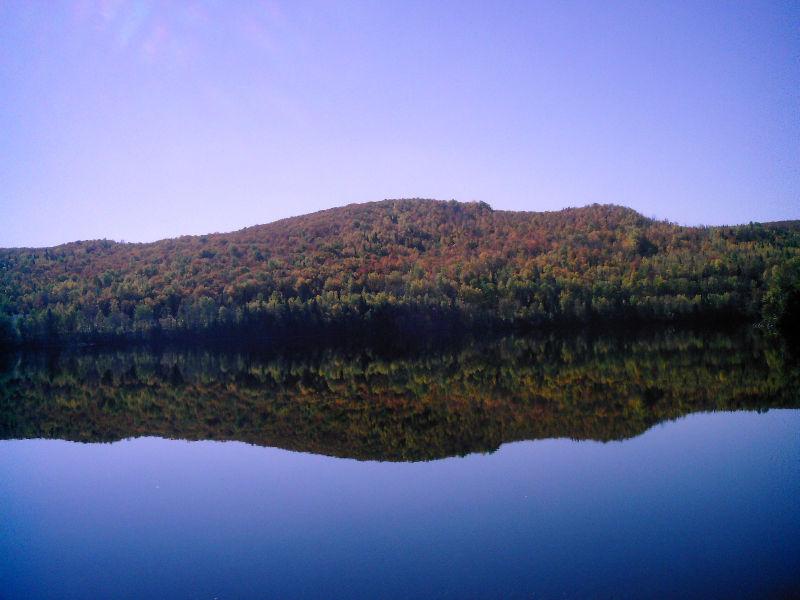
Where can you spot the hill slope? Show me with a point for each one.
(400, 265)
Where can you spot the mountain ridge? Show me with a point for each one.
(785, 223)
(401, 265)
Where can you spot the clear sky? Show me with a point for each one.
(139, 120)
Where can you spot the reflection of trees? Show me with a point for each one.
(374, 406)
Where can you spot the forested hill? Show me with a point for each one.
(401, 266)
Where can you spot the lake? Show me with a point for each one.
(665, 464)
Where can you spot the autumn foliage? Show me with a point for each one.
(401, 266)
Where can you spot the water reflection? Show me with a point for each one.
(366, 404)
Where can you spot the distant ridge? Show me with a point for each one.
(401, 266)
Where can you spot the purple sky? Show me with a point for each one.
(138, 120)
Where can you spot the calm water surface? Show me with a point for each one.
(655, 495)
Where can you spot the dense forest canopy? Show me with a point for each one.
(402, 265)
(368, 404)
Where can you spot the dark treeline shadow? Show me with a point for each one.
(412, 403)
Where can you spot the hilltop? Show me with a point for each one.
(399, 266)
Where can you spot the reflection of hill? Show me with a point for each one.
(366, 406)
